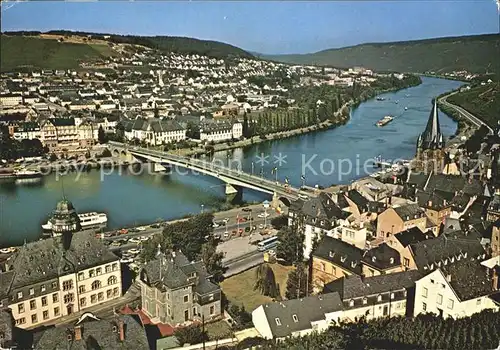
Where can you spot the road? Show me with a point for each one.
(464, 113)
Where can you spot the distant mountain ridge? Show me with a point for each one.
(475, 53)
(37, 51)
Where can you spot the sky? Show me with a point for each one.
(262, 26)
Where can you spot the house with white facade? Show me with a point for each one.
(154, 131)
(297, 317)
(27, 131)
(220, 131)
(458, 289)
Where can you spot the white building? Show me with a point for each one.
(155, 131)
(10, 99)
(220, 131)
(457, 288)
(27, 131)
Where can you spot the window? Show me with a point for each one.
(478, 302)
(100, 296)
(91, 273)
(45, 315)
(81, 276)
(93, 298)
(440, 299)
(450, 304)
(98, 271)
(55, 298)
(20, 308)
(425, 291)
(392, 296)
(56, 311)
(54, 285)
(211, 297)
(365, 301)
(42, 288)
(96, 285)
(67, 285)
(19, 295)
(115, 266)
(34, 318)
(322, 267)
(109, 293)
(112, 280)
(212, 310)
(44, 301)
(424, 307)
(116, 291)
(32, 304)
(32, 291)
(186, 298)
(379, 297)
(107, 268)
(295, 318)
(168, 310)
(351, 302)
(22, 320)
(83, 301)
(278, 321)
(406, 262)
(81, 289)
(68, 298)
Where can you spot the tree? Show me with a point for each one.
(246, 129)
(212, 260)
(290, 248)
(297, 285)
(190, 335)
(279, 222)
(265, 281)
(101, 136)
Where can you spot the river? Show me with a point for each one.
(322, 156)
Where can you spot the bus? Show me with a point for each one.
(268, 243)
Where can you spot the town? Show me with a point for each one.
(403, 257)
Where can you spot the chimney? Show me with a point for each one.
(429, 203)
(448, 278)
(121, 330)
(78, 333)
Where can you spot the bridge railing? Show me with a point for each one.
(209, 166)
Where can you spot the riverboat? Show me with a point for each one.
(27, 174)
(380, 98)
(87, 221)
(385, 120)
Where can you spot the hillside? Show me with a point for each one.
(483, 101)
(23, 52)
(476, 54)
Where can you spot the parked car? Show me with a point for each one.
(134, 240)
(242, 219)
(123, 231)
(215, 225)
(263, 215)
(261, 226)
(247, 209)
(143, 238)
(134, 251)
(126, 260)
(141, 228)
(116, 243)
(226, 234)
(226, 220)
(155, 225)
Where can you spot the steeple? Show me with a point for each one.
(432, 138)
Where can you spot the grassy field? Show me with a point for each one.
(483, 101)
(218, 330)
(20, 52)
(239, 288)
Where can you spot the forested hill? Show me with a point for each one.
(476, 54)
(173, 44)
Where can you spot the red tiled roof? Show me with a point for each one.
(165, 329)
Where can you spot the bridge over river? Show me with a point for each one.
(234, 179)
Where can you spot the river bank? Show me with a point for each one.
(343, 113)
(136, 198)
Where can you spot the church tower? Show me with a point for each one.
(430, 145)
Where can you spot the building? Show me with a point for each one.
(430, 155)
(220, 131)
(493, 213)
(154, 131)
(86, 134)
(381, 260)
(58, 133)
(27, 131)
(333, 259)
(119, 332)
(10, 99)
(436, 207)
(374, 297)
(397, 219)
(401, 243)
(175, 291)
(457, 289)
(297, 317)
(317, 217)
(495, 239)
(55, 277)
